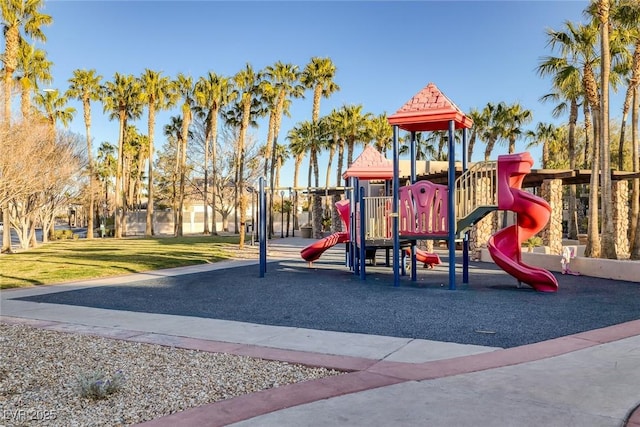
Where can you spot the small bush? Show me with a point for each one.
(97, 386)
(63, 235)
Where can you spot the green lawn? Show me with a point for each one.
(69, 260)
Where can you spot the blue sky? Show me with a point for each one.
(474, 51)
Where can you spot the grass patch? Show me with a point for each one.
(69, 260)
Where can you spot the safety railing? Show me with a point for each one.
(378, 220)
(475, 188)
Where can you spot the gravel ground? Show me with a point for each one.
(39, 373)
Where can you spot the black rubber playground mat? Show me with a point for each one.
(491, 310)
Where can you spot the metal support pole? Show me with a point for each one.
(412, 253)
(262, 229)
(363, 233)
(452, 207)
(394, 209)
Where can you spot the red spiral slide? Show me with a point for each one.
(533, 214)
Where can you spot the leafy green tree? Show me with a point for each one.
(85, 85)
(158, 93)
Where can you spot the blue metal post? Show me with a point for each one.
(354, 227)
(465, 238)
(412, 254)
(452, 207)
(394, 209)
(262, 227)
(363, 234)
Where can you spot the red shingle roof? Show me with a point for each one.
(371, 164)
(429, 110)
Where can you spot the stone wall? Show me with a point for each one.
(620, 197)
(551, 191)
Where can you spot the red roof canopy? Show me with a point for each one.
(371, 164)
(429, 110)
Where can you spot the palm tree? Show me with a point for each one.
(212, 93)
(247, 82)
(85, 86)
(627, 15)
(577, 47)
(283, 83)
(309, 137)
(424, 146)
(55, 109)
(381, 133)
(514, 117)
(33, 68)
(608, 237)
(106, 166)
(550, 137)
(158, 93)
(122, 102)
(318, 75)
(480, 122)
(566, 76)
(494, 127)
(19, 16)
(173, 132)
(355, 126)
(185, 88)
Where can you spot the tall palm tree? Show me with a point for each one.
(424, 146)
(494, 128)
(122, 102)
(212, 93)
(33, 68)
(310, 137)
(21, 20)
(480, 122)
(318, 75)
(85, 85)
(247, 81)
(185, 87)
(514, 118)
(55, 109)
(106, 166)
(17, 16)
(627, 15)
(284, 81)
(550, 137)
(158, 93)
(381, 133)
(608, 237)
(577, 45)
(566, 74)
(173, 132)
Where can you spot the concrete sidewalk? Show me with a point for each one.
(587, 379)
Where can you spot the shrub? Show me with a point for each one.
(63, 235)
(97, 386)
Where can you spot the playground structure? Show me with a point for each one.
(426, 211)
